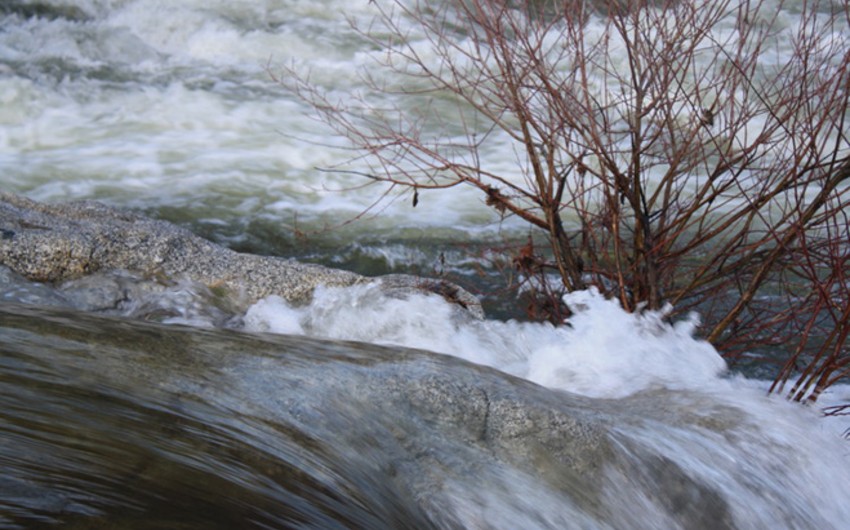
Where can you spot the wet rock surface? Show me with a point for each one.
(420, 439)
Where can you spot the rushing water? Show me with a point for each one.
(120, 424)
(168, 107)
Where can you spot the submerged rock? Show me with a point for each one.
(60, 242)
(264, 431)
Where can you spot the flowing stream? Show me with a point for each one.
(202, 417)
(118, 423)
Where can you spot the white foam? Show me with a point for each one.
(608, 352)
(603, 352)
(273, 314)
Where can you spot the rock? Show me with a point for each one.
(60, 242)
(364, 425)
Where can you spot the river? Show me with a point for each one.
(169, 108)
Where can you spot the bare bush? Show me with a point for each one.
(684, 152)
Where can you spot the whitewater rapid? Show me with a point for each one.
(601, 352)
(170, 108)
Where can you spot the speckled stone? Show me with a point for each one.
(59, 242)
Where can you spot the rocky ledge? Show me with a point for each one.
(59, 242)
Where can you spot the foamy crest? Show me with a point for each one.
(603, 352)
(274, 315)
(609, 352)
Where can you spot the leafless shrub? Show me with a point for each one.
(678, 151)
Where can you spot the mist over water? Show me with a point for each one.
(170, 108)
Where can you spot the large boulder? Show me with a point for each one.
(366, 436)
(67, 241)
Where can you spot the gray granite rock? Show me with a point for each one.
(60, 242)
(465, 444)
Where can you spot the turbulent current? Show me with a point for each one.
(322, 416)
(115, 423)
